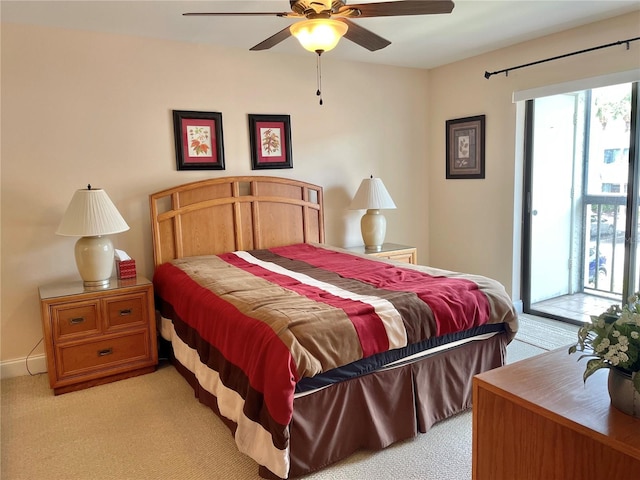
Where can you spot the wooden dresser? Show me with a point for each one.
(95, 336)
(536, 419)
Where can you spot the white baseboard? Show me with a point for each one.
(18, 367)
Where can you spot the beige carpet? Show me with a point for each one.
(151, 427)
(546, 333)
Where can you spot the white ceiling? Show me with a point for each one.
(474, 26)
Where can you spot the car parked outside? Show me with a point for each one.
(600, 269)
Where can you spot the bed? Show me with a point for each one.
(306, 351)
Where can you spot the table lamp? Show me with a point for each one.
(372, 196)
(91, 215)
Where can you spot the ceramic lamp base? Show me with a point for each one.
(374, 227)
(94, 258)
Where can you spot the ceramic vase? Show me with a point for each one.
(622, 393)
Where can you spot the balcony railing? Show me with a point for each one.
(604, 251)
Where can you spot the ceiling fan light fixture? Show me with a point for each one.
(320, 34)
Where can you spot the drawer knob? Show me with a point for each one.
(105, 352)
(76, 321)
(125, 312)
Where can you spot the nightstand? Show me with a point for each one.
(95, 336)
(391, 251)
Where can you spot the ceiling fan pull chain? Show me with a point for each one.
(319, 75)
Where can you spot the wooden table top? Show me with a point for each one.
(551, 385)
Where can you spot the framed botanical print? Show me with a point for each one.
(465, 147)
(270, 139)
(198, 138)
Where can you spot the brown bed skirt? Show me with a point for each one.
(378, 409)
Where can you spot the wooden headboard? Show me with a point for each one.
(225, 214)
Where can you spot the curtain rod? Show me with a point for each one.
(506, 71)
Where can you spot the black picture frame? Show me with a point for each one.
(465, 147)
(198, 140)
(270, 141)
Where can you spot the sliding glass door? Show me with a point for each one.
(581, 202)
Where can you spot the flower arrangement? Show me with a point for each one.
(613, 340)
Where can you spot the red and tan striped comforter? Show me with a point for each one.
(249, 325)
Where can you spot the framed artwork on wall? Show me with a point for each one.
(465, 147)
(270, 139)
(198, 137)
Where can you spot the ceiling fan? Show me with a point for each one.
(329, 20)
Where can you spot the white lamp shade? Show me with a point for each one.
(319, 35)
(372, 194)
(91, 212)
(91, 215)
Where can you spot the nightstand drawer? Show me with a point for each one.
(391, 251)
(407, 257)
(81, 358)
(75, 319)
(126, 311)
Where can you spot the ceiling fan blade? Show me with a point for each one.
(363, 37)
(236, 14)
(393, 9)
(273, 40)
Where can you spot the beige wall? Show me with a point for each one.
(81, 107)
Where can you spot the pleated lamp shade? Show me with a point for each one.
(372, 196)
(91, 214)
